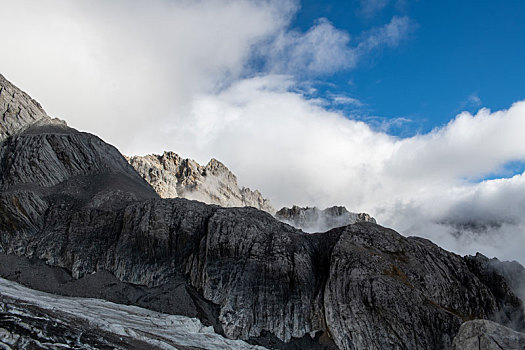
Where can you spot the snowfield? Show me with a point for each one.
(160, 330)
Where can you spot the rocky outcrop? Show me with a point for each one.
(173, 177)
(317, 220)
(506, 280)
(17, 109)
(73, 201)
(487, 335)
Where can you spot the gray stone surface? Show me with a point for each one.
(17, 109)
(313, 219)
(172, 177)
(385, 290)
(487, 335)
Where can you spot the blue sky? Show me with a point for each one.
(459, 55)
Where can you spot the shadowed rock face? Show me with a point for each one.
(317, 220)
(506, 281)
(72, 200)
(173, 177)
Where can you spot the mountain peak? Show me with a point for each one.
(17, 109)
(172, 176)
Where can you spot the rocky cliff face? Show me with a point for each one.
(172, 177)
(72, 200)
(317, 220)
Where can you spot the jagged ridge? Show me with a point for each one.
(17, 109)
(173, 177)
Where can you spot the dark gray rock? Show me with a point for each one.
(388, 292)
(317, 220)
(487, 335)
(506, 281)
(364, 285)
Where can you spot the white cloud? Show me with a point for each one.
(387, 124)
(159, 75)
(346, 100)
(469, 146)
(324, 49)
(101, 64)
(370, 7)
(298, 153)
(474, 100)
(466, 218)
(389, 35)
(303, 145)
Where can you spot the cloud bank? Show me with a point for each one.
(300, 153)
(224, 79)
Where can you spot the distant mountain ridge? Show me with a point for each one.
(173, 176)
(313, 219)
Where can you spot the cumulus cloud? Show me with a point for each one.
(101, 64)
(299, 153)
(159, 75)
